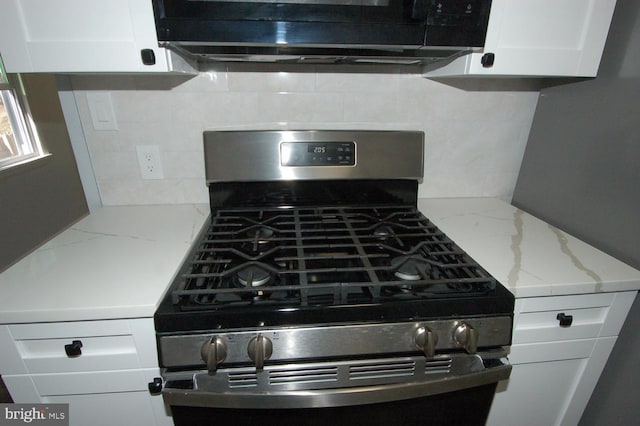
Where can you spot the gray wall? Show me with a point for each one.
(581, 165)
(38, 202)
(581, 173)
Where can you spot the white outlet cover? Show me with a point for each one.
(101, 110)
(149, 161)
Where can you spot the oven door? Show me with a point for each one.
(447, 389)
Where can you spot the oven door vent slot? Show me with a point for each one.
(382, 370)
(242, 380)
(303, 375)
(438, 366)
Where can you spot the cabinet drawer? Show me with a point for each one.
(591, 315)
(102, 345)
(98, 353)
(94, 382)
(545, 326)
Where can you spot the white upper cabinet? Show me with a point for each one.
(539, 38)
(82, 36)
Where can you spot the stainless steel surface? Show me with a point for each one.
(333, 384)
(232, 156)
(467, 337)
(333, 341)
(426, 340)
(213, 353)
(343, 54)
(355, 358)
(259, 350)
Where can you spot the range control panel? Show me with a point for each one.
(298, 154)
(447, 12)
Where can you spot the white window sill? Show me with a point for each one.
(28, 164)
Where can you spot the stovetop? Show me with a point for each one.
(325, 264)
(325, 256)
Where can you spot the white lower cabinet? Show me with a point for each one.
(98, 398)
(106, 383)
(124, 408)
(556, 368)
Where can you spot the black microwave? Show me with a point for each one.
(335, 29)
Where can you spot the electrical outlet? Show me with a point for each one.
(149, 161)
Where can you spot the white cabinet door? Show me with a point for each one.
(555, 366)
(540, 38)
(125, 408)
(80, 36)
(96, 398)
(543, 383)
(516, 404)
(106, 398)
(550, 383)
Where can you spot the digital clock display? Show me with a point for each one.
(300, 154)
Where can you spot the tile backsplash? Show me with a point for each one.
(476, 130)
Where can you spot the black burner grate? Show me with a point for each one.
(325, 256)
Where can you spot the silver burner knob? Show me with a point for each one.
(260, 349)
(426, 340)
(466, 337)
(214, 352)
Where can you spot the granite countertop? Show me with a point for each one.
(119, 261)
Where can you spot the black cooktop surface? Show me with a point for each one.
(308, 265)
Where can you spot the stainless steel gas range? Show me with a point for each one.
(318, 293)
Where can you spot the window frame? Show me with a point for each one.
(20, 120)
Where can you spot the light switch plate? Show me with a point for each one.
(101, 110)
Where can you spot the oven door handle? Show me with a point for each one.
(336, 397)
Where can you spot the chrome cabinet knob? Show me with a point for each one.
(260, 349)
(214, 352)
(466, 337)
(426, 340)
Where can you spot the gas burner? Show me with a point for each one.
(409, 268)
(260, 234)
(253, 276)
(383, 231)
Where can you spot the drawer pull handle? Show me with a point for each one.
(565, 320)
(487, 60)
(155, 387)
(74, 349)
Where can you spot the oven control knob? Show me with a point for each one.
(260, 349)
(466, 337)
(426, 340)
(213, 352)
